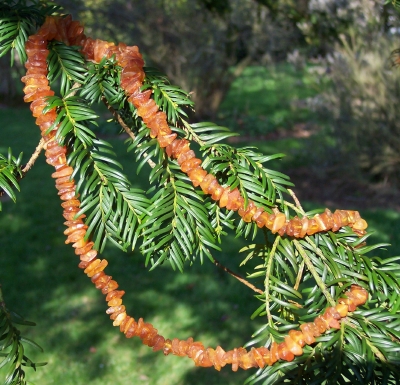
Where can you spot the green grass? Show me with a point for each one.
(41, 281)
(266, 99)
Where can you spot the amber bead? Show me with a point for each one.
(197, 175)
(282, 230)
(147, 332)
(190, 164)
(66, 171)
(312, 227)
(66, 187)
(293, 346)
(279, 222)
(322, 226)
(159, 343)
(70, 203)
(304, 224)
(262, 219)
(103, 264)
(165, 140)
(246, 359)
(235, 200)
(114, 294)
(53, 150)
(247, 214)
(140, 97)
(360, 224)
(289, 229)
(118, 319)
(320, 324)
(115, 309)
(49, 116)
(92, 265)
(89, 256)
(186, 156)
(216, 190)
(102, 280)
(206, 182)
(344, 219)
(179, 147)
(297, 225)
(114, 302)
(68, 195)
(84, 248)
(167, 347)
(100, 48)
(307, 333)
(223, 200)
(257, 357)
(284, 352)
(38, 93)
(342, 309)
(147, 109)
(298, 337)
(64, 179)
(75, 236)
(83, 264)
(257, 214)
(130, 328)
(112, 285)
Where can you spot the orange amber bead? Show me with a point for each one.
(312, 227)
(89, 256)
(165, 140)
(293, 346)
(223, 200)
(215, 190)
(284, 352)
(206, 182)
(247, 213)
(185, 156)
(114, 294)
(190, 164)
(197, 175)
(307, 333)
(297, 336)
(84, 248)
(305, 224)
(112, 285)
(279, 222)
(102, 281)
(235, 200)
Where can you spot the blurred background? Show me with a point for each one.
(314, 79)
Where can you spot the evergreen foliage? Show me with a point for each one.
(177, 223)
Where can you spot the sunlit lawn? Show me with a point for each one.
(268, 98)
(41, 281)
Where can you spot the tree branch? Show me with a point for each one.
(314, 273)
(238, 277)
(117, 116)
(34, 156)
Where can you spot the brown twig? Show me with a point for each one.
(296, 201)
(117, 116)
(34, 156)
(30, 163)
(238, 277)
